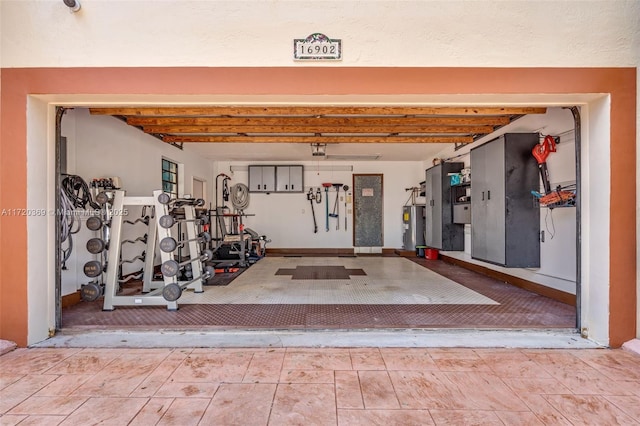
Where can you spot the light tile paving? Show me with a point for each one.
(322, 386)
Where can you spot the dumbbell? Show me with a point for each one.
(96, 245)
(166, 199)
(170, 268)
(94, 223)
(169, 244)
(93, 268)
(91, 291)
(103, 198)
(167, 221)
(172, 292)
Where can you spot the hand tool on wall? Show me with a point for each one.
(541, 152)
(326, 204)
(311, 197)
(336, 207)
(346, 188)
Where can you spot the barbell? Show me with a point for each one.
(166, 199)
(167, 221)
(170, 268)
(169, 244)
(172, 292)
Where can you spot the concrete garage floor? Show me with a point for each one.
(318, 293)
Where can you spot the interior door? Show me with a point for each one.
(368, 210)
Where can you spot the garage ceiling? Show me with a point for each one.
(356, 133)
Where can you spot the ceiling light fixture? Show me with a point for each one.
(318, 149)
(73, 5)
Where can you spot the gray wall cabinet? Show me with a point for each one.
(505, 223)
(276, 178)
(440, 231)
(289, 179)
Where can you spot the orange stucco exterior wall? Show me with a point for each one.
(17, 83)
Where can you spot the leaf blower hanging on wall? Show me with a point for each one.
(541, 152)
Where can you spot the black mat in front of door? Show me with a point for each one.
(320, 272)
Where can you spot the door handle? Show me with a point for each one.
(482, 195)
(258, 186)
(488, 195)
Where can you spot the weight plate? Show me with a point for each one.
(91, 292)
(167, 221)
(93, 268)
(168, 244)
(102, 198)
(170, 268)
(94, 223)
(171, 292)
(95, 245)
(207, 255)
(208, 272)
(164, 198)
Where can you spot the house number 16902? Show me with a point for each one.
(317, 47)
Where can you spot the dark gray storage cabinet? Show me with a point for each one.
(440, 231)
(505, 223)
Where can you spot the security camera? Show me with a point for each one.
(73, 5)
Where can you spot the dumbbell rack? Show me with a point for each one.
(156, 233)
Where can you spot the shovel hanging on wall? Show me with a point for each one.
(326, 204)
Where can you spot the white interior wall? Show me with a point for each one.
(102, 146)
(287, 220)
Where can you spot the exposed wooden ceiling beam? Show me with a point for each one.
(318, 129)
(319, 139)
(325, 121)
(313, 110)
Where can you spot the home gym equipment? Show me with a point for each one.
(541, 151)
(194, 265)
(96, 245)
(94, 223)
(326, 204)
(171, 267)
(166, 199)
(93, 268)
(311, 198)
(107, 269)
(169, 244)
(172, 292)
(168, 220)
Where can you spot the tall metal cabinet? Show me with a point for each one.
(505, 223)
(440, 231)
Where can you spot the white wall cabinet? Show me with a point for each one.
(505, 223)
(282, 178)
